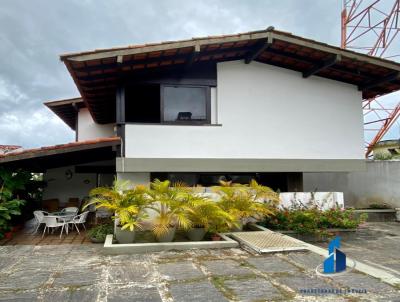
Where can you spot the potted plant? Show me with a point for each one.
(245, 202)
(99, 233)
(127, 203)
(203, 214)
(168, 202)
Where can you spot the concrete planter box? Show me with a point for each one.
(378, 215)
(140, 248)
(319, 237)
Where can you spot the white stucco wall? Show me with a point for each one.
(265, 112)
(88, 129)
(58, 186)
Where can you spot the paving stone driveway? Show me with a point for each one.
(82, 273)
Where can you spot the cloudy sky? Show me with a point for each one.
(34, 33)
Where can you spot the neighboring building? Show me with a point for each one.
(267, 104)
(387, 149)
(4, 149)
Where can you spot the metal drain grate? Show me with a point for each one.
(267, 241)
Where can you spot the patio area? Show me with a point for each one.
(81, 272)
(27, 236)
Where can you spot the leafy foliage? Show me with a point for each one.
(10, 204)
(126, 203)
(99, 232)
(205, 213)
(170, 204)
(177, 206)
(246, 201)
(313, 220)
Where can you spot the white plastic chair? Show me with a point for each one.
(39, 215)
(79, 219)
(70, 210)
(53, 222)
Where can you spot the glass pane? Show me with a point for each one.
(184, 104)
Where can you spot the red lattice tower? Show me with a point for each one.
(372, 27)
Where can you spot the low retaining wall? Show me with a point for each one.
(325, 200)
(140, 248)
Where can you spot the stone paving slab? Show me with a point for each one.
(6, 263)
(306, 260)
(132, 293)
(272, 264)
(203, 291)
(24, 279)
(176, 271)
(358, 280)
(253, 289)
(129, 273)
(226, 268)
(18, 296)
(301, 281)
(78, 277)
(85, 274)
(86, 294)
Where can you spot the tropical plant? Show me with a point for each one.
(10, 203)
(313, 219)
(171, 207)
(100, 232)
(204, 213)
(127, 203)
(246, 201)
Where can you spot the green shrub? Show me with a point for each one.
(313, 220)
(378, 205)
(10, 204)
(99, 232)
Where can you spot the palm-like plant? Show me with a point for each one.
(205, 212)
(246, 201)
(205, 215)
(127, 204)
(169, 202)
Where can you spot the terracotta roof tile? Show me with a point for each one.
(9, 147)
(61, 147)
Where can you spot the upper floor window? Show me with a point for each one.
(185, 104)
(168, 104)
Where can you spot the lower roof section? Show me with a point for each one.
(41, 159)
(238, 165)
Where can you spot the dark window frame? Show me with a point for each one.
(207, 89)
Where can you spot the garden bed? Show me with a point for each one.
(377, 215)
(323, 237)
(148, 247)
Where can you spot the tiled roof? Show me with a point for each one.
(9, 147)
(98, 73)
(63, 147)
(66, 110)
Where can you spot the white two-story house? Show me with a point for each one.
(266, 104)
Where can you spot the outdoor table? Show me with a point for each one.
(65, 217)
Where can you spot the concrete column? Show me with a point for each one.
(137, 178)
